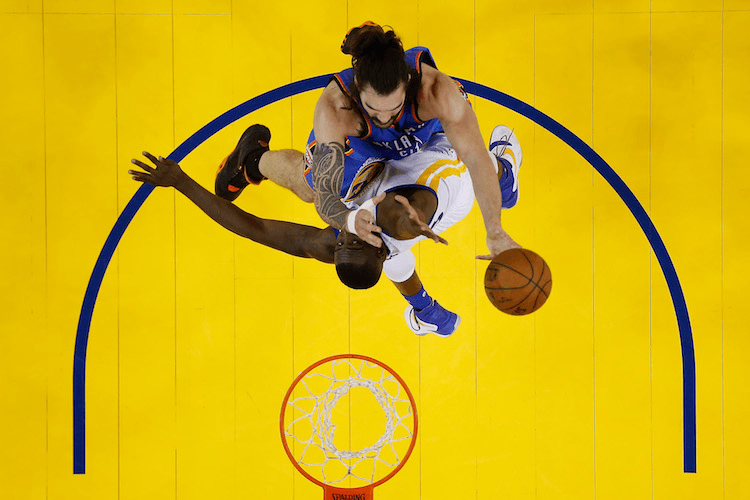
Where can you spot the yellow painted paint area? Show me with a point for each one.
(197, 334)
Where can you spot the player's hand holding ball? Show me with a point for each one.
(498, 243)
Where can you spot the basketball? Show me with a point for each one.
(518, 281)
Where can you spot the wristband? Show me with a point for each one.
(350, 221)
(369, 205)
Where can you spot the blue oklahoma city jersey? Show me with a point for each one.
(365, 156)
(407, 135)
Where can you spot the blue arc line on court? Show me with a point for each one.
(520, 107)
(657, 245)
(135, 203)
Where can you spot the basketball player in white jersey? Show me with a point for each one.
(413, 199)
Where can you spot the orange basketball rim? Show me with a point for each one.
(342, 393)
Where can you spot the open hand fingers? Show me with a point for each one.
(378, 198)
(145, 167)
(365, 221)
(485, 257)
(373, 240)
(428, 232)
(413, 215)
(163, 173)
(151, 157)
(436, 238)
(365, 225)
(369, 235)
(439, 239)
(141, 176)
(402, 200)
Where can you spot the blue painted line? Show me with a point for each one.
(683, 320)
(660, 250)
(105, 256)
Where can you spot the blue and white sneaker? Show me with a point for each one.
(432, 319)
(505, 147)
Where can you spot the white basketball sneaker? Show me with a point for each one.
(505, 146)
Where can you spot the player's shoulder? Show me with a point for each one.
(337, 110)
(433, 81)
(333, 102)
(439, 94)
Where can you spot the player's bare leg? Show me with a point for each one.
(251, 162)
(286, 168)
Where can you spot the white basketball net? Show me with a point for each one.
(320, 445)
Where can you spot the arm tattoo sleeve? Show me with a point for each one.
(328, 175)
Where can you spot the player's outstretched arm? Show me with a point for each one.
(295, 239)
(459, 121)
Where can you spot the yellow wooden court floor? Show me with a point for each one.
(197, 334)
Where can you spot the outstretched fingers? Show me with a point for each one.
(365, 226)
(149, 171)
(429, 233)
(413, 215)
(151, 157)
(437, 238)
(378, 198)
(425, 229)
(402, 200)
(144, 166)
(140, 177)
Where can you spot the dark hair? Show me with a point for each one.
(358, 266)
(377, 58)
(359, 276)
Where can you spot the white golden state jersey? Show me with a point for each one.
(436, 168)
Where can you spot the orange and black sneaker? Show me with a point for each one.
(241, 167)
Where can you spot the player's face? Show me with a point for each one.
(351, 248)
(383, 109)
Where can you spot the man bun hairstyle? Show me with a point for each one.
(377, 58)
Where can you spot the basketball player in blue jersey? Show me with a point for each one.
(412, 203)
(386, 106)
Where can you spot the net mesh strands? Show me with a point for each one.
(313, 403)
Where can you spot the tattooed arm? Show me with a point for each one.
(328, 175)
(332, 123)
